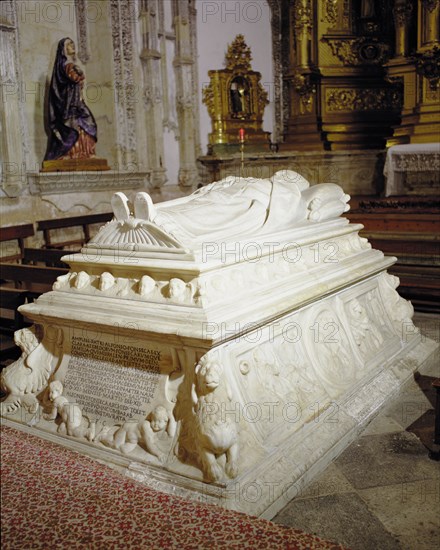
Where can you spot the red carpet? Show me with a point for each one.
(55, 498)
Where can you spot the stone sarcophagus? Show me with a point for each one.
(224, 346)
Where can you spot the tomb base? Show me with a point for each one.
(230, 369)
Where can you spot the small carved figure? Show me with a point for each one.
(146, 285)
(126, 437)
(70, 413)
(106, 281)
(81, 280)
(366, 335)
(176, 289)
(211, 432)
(63, 280)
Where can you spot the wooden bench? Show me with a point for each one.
(16, 233)
(83, 222)
(51, 257)
(408, 228)
(20, 284)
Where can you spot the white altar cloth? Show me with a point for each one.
(415, 157)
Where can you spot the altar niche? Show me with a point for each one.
(236, 100)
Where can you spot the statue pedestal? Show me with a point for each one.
(70, 165)
(230, 367)
(46, 183)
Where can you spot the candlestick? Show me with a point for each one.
(241, 136)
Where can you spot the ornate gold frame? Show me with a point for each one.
(236, 100)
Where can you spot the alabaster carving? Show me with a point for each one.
(146, 285)
(365, 332)
(106, 281)
(81, 280)
(224, 209)
(24, 379)
(401, 310)
(206, 432)
(127, 437)
(71, 417)
(241, 336)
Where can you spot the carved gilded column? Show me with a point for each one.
(417, 30)
(302, 79)
(185, 99)
(429, 23)
(402, 17)
(152, 96)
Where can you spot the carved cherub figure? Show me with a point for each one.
(131, 433)
(71, 415)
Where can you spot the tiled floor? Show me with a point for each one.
(382, 492)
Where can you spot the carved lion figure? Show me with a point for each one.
(24, 379)
(211, 432)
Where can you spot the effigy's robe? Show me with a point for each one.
(225, 346)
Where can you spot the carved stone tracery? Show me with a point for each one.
(125, 102)
(82, 30)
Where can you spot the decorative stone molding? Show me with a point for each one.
(82, 30)
(123, 43)
(14, 150)
(187, 112)
(278, 100)
(151, 61)
(46, 183)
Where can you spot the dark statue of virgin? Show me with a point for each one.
(73, 132)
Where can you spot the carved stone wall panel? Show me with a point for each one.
(14, 148)
(125, 104)
(82, 30)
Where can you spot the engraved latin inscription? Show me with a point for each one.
(113, 380)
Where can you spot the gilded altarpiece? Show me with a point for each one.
(416, 66)
(339, 96)
(236, 100)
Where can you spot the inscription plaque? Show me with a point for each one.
(112, 380)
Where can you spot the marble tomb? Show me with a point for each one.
(225, 346)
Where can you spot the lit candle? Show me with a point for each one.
(241, 134)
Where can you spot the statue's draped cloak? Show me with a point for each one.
(67, 111)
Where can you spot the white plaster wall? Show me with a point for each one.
(41, 24)
(218, 23)
(40, 27)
